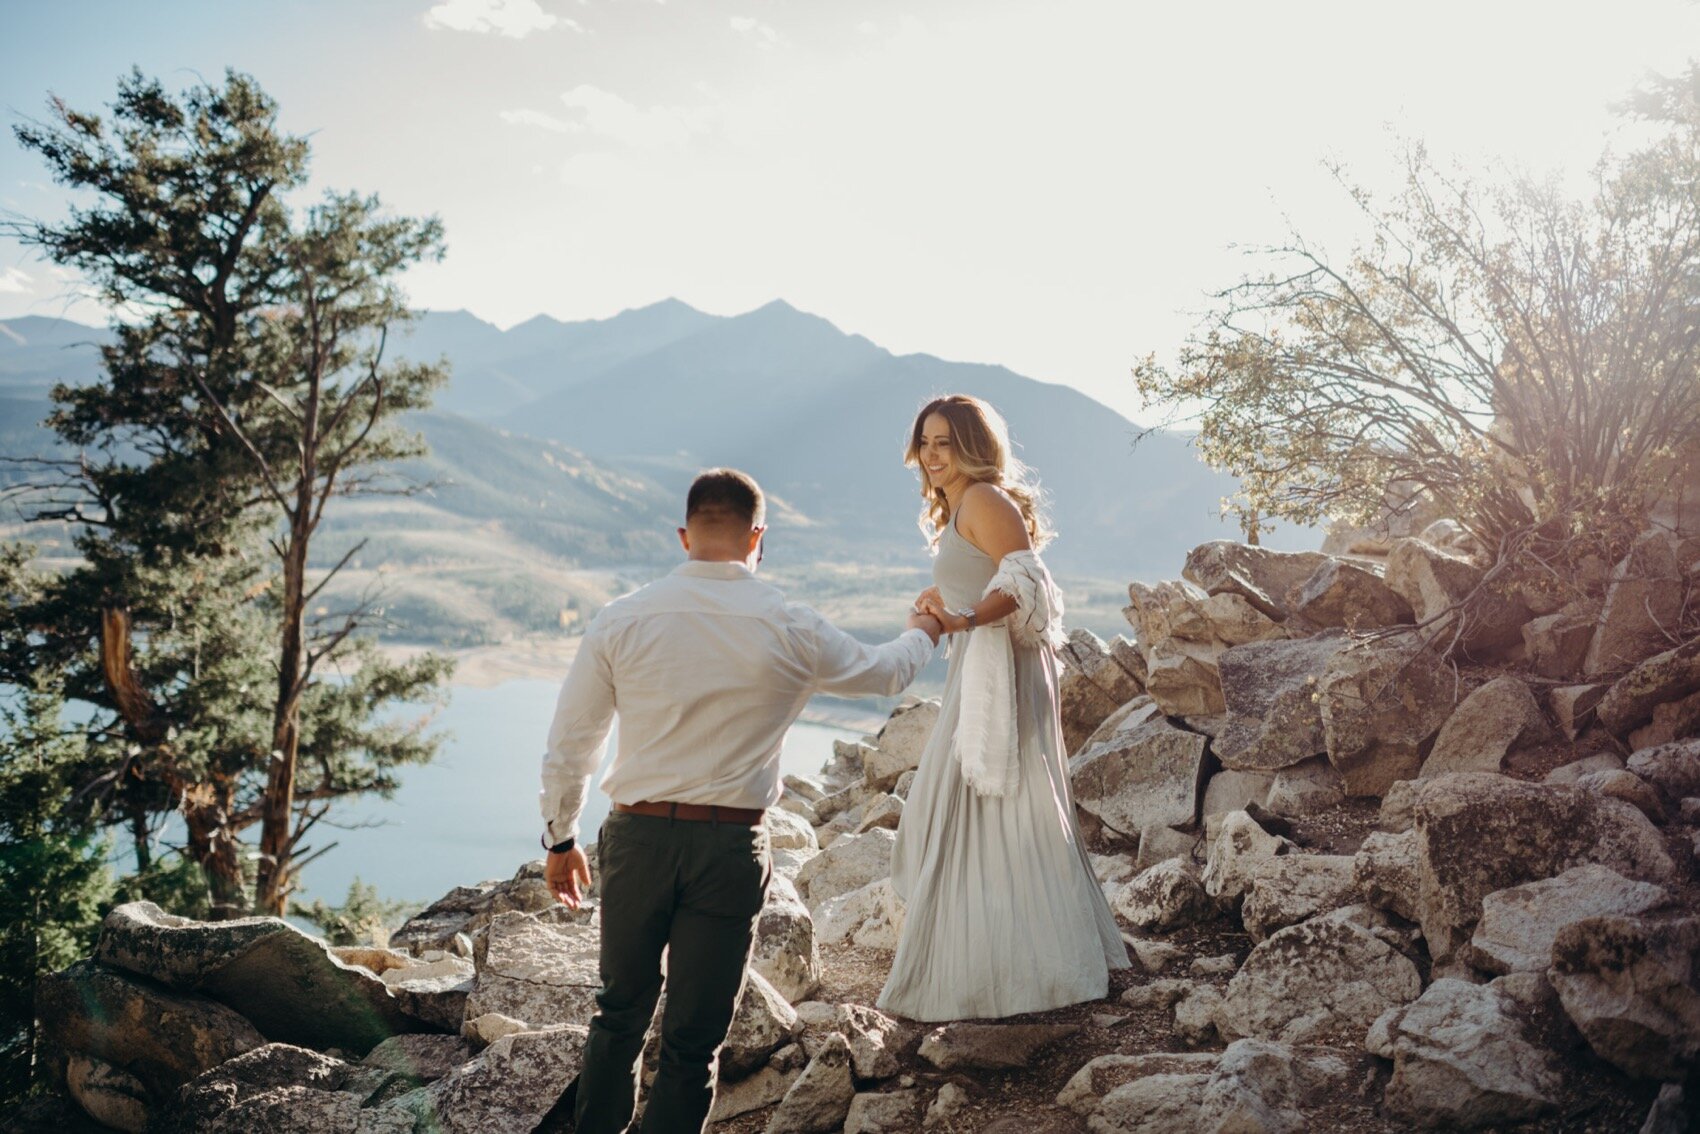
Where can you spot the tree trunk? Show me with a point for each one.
(213, 845)
(271, 894)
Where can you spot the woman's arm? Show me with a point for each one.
(991, 522)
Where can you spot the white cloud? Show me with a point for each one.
(755, 31)
(537, 118)
(515, 19)
(659, 127)
(14, 282)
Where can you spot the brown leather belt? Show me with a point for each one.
(695, 812)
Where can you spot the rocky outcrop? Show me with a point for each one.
(1350, 596)
(1148, 772)
(848, 864)
(1632, 988)
(1491, 723)
(1291, 888)
(538, 973)
(898, 746)
(989, 1047)
(1382, 703)
(1671, 675)
(1257, 574)
(1269, 690)
(1518, 925)
(785, 951)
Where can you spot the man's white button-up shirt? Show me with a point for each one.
(708, 667)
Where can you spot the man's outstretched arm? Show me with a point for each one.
(851, 668)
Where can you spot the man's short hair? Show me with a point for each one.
(726, 495)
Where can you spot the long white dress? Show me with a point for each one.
(1003, 914)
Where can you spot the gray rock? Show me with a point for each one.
(1518, 925)
(110, 1095)
(1349, 595)
(1105, 1073)
(1672, 768)
(1673, 1112)
(764, 1088)
(1195, 1015)
(785, 951)
(1230, 790)
(1573, 707)
(870, 918)
(1387, 872)
(1618, 783)
(536, 972)
(1309, 787)
(1643, 598)
(468, 909)
(1274, 714)
(882, 810)
(433, 991)
(989, 1047)
(1223, 964)
(420, 1058)
(286, 983)
(1309, 979)
(1150, 774)
(507, 1089)
(1262, 1087)
(1463, 1058)
(1632, 988)
(1556, 644)
(1291, 888)
(1168, 611)
(1496, 720)
(1182, 677)
(1158, 842)
(1399, 806)
(1433, 581)
(284, 1088)
(1261, 576)
(1166, 896)
(1158, 995)
(1235, 621)
(1479, 832)
(1154, 1104)
(845, 866)
(899, 745)
(946, 1105)
(874, 1040)
(1153, 956)
(763, 1022)
(1381, 703)
(891, 1112)
(819, 1101)
(786, 829)
(1668, 676)
(163, 1037)
(1237, 849)
(1576, 769)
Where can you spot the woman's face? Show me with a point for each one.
(938, 454)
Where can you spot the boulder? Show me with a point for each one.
(762, 1023)
(1387, 872)
(1166, 896)
(1572, 707)
(1496, 720)
(1270, 690)
(1110, 668)
(989, 1047)
(1158, 842)
(888, 1112)
(1575, 770)
(468, 909)
(1350, 596)
(882, 810)
(1168, 610)
(536, 972)
(420, 1058)
(1632, 988)
(819, 1100)
(1382, 702)
(1669, 676)
(1230, 790)
(1139, 711)
(899, 745)
(506, 1090)
(1643, 602)
(1267, 1088)
(869, 918)
(1672, 720)
(1195, 1015)
(846, 865)
(785, 952)
(764, 1088)
(1291, 888)
(433, 991)
(110, 1095)
(1434, 581)
(1672, 768)
(289, 985)
(161, 1037)
(1235, 621)
(874, 1040)
(1618, 783)
(841, 803)
(1306, 788)
(1478, 833)
(1556, 644)
(1330, 973)
(1518, 925)
(1083, 707)
(1154, 1104)
(788, 830)
(1157, 996)
(1464, 1057)
(285, 1088)
(946, 1105)
(1258, 574)
(1105, 1073)
(1182, 677)
(788, 862)
(1234, 855)
(1151, 773)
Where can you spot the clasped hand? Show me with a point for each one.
(931, 602)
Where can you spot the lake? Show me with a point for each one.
(472, 813)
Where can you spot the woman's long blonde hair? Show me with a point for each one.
(979, 440)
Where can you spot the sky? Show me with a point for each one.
(1053, 185)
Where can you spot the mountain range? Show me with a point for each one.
(570, 444)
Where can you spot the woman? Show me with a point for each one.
(1003, 914)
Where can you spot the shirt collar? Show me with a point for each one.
(713, 569)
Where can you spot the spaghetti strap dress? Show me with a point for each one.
(1002, 912)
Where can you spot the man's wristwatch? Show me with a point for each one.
(968, 613)
(557, 848)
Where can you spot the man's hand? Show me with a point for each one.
(568, 877)
(926, 623)
(929, 600)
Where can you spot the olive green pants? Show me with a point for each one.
(694, 890)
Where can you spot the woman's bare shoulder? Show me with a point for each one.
(983, 499)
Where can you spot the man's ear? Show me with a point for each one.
(755, 539)
(685, 538)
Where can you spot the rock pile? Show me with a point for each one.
(1368, 887)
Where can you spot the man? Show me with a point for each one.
(708, 667)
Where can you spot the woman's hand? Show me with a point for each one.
(929, 601)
